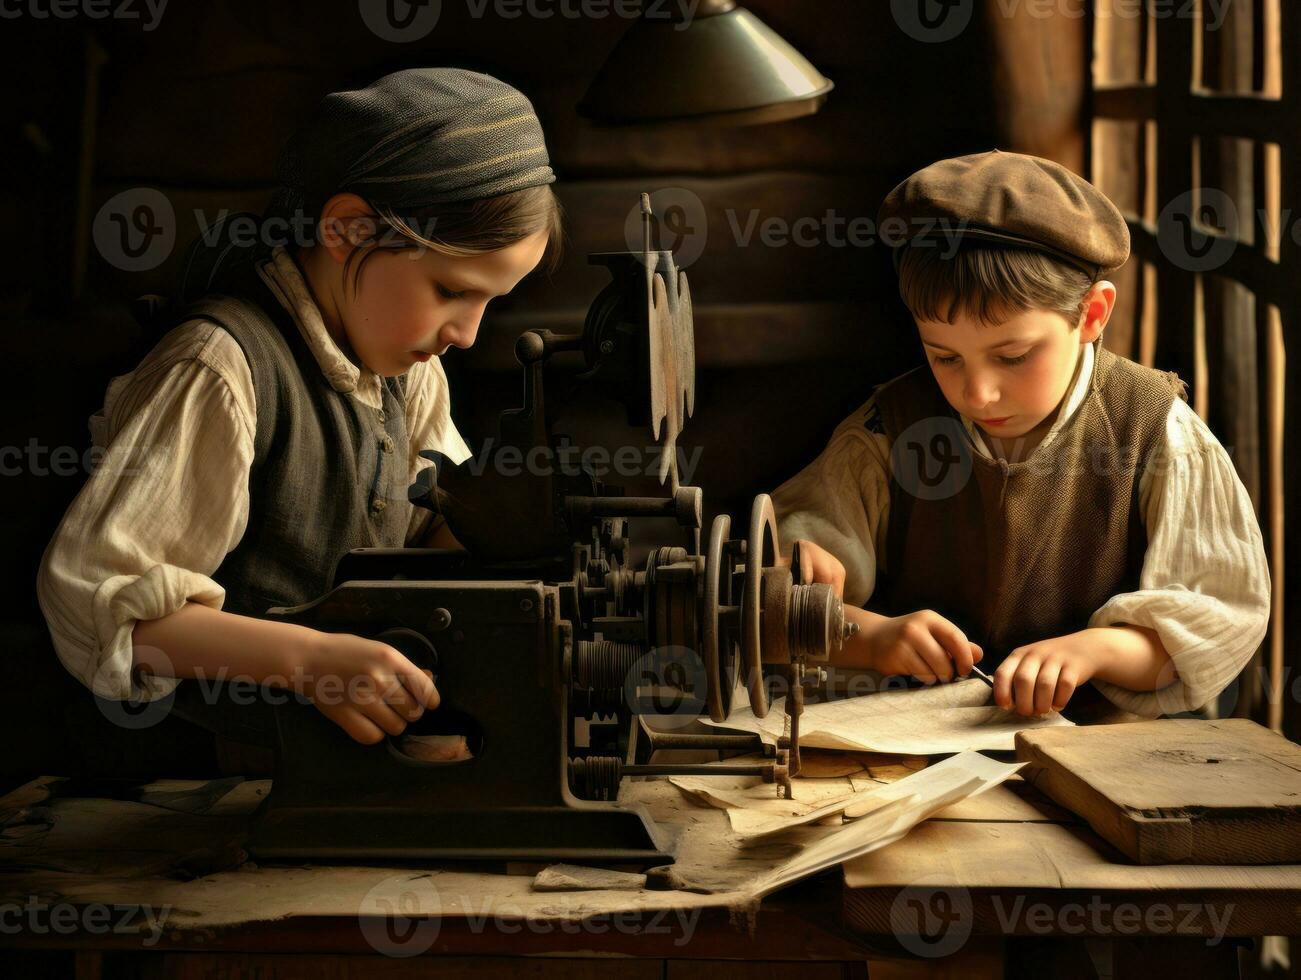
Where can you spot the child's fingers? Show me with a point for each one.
(420, 682)
(955, 643)
(358, 726)
(1066, 682)
(1045, 687)
(434, 699)
(1003, 681)
(392, 690)
(918, 668)
(838, 580)
(977, 653)
(385, 717)
(1023, 685)
(933, 656)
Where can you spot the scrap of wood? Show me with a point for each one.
(573, 877)
(1177, 791)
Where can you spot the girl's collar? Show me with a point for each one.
(283, 277)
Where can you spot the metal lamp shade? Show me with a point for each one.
(723, 66)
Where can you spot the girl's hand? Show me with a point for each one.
(819, 565)
(1041, 677)
(367, 688)
(923, 644)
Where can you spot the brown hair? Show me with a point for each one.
(989, 282)
(467, 228)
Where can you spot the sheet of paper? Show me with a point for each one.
(727, 792)
(755, 809)
(936, 720)
(907, 803)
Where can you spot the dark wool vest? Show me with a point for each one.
(329, 474)
(1018, 552)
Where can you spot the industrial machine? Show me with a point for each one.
(549, 646)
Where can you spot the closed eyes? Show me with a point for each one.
(1010, 361)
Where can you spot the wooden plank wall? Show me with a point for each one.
(1200, 111)
(202, 119)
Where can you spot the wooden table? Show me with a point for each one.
(1011, 864)
(994, 881)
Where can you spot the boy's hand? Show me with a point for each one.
(367, 688)
(1041, 677)
(923, 644)
(819, 565)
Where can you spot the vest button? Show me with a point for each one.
(378, 504)
(381, 416)
(386, 443)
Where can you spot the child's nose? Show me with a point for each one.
(463, 333)
(980, 392)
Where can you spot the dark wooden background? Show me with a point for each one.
(789, 339)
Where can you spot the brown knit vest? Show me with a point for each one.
(1018, 552)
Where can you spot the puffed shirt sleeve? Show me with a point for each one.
(429, 426)
(841, 501)
(159, 513)
(1204, 586)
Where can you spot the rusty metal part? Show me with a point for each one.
(599, 675)
(762, 548)
(722, 743)
(777, 614)
(817, 624)
(718, 644)
(685, 506)
(669, 598)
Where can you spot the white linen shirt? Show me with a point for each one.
(1204, 586)
(170, 498)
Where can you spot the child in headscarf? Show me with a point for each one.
(278, 425)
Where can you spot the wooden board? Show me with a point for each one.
(1176, 791)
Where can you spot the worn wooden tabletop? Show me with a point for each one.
(1007, 863)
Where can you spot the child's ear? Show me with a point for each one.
(346, 221)
(1098, 304)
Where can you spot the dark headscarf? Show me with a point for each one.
(415, 138)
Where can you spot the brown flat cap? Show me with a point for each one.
(1012, 199)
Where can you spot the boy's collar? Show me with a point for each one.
(283, 277)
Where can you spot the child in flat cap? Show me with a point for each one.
(1029, 500)
(278, 424)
